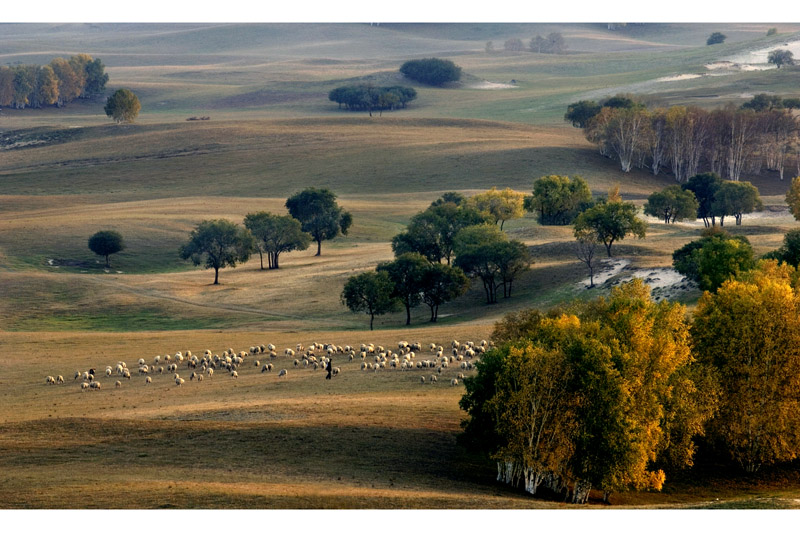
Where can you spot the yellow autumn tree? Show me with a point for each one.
(593, 399)
(749, 332)
(500, 205)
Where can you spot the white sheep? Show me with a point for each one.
(94, 385)
(108, 372)
(454, 382)
(199, 378)
(59, 379)
(422, 379)
(210, 372)
(336, 370)
(256, 363)
(50, 380)
(283, 372)
(148, 380)
(179, 381)
(117, 384)
(141, 361)
(234, 374)
(433, 378)
(85, 385)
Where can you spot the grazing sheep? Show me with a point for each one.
(179, 381)
(199, 378)
(296, 363)
(454, 382)
(95, 385)
(117, 384)
(85, 375)
(157, 360)
(433, 378)
(50, 380)
(126, 374)
(461, 376)
(282, 372)
(85, 385)
(148, 380)
(422, 379)
(234, 374)
(161, 370)
(141, 361)
(256, 363)
(59, 379)
(363, 366)
(210, 372)
(108, 372)
(335, 371)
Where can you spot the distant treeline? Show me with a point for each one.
(371, 98)
(688, 140)
(57, 83)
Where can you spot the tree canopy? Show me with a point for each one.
(440, 284)
(319, 214)
(749, 332)
(714, 258)
(106, 242)
(611, 222)
(406, 273)
(780, 58)
(483, 251)
(589, 400)
(672, 204)
(218, 243)
(431, 71)
(705, 187)
(370, 98)
(275, 234)
(558, 200)
(58, 83)
(716, 38)
(370, 293)
(499, 205)
(123, 106)
(737, 199)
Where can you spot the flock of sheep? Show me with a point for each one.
(407, 357)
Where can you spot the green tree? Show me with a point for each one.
(736, 198)
(123, 106)
(789, 252)
(484, 251)
(793, 197)
(499, 205)
(672, 204)
(406, 273)
(105, 243)
(440, 284)
(779, 58)
(749, 332)
(559, 199)
(763, 102)
(370, 293)
(705, 187)
(220, 242)
(319, 214)
(431, 71)
(432, 232)
(716, 38)
(275, 234)
(714, 258)
(581, 112)
(611, 222)
(513, 45)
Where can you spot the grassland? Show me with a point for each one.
(363, 440)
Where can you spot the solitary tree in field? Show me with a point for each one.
(371, 293)
(319, 214)
(716, 38)
(736, 198)
(499, 205)
(780, 58)
(123, 106)
(672, 204)
(611, 222)
(275, 234)
(431, 71)
(220, 242)
(105, 243)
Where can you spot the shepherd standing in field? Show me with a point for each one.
(329, 368)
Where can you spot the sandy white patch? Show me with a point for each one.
(492, 85)
(609, 268)
(678, 77)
